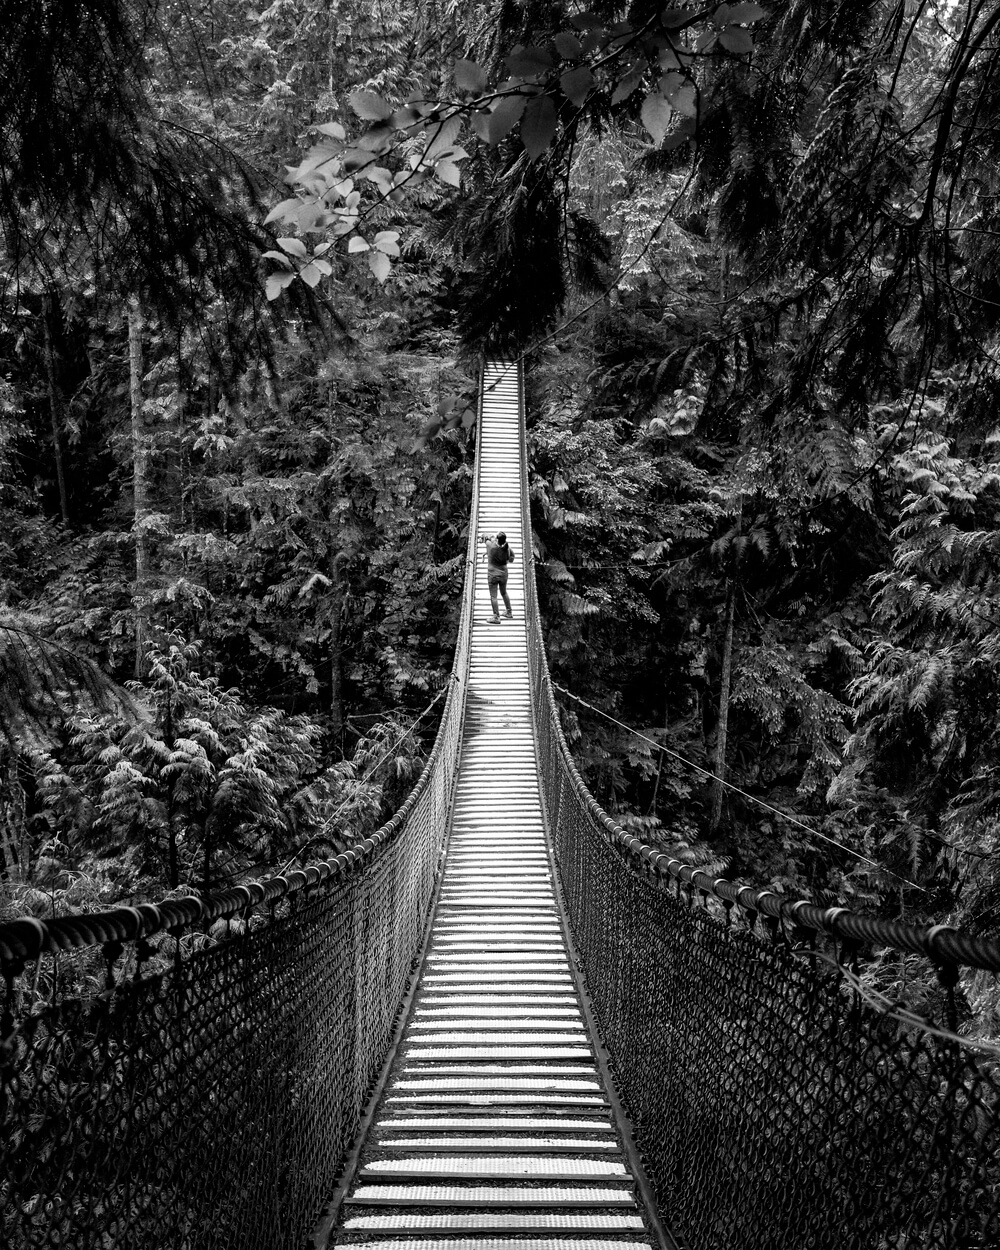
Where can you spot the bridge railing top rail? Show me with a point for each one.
(946, 947)
(942, 944)
(26, 938)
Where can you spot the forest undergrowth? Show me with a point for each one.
(748, 254)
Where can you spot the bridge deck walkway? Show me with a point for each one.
(495, 1128)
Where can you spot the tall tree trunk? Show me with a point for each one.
(14, 855)
(206, 883)
(140, 482)
(722, 725)
(651, 810)
(173, 870)
(338, 590)
(48, 315)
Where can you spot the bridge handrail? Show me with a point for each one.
(220, 1084)
(27, 937)
(773, 1100)
(24, 939)
(941, 944)
(944, 945)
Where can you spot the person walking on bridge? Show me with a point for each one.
(499, 554)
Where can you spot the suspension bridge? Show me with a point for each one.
(500, 1023)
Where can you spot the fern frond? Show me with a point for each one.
(43, 682)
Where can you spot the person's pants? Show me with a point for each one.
(498, 581)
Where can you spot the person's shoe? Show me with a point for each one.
(494, 620)
(509, 615)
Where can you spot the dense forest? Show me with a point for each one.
(249, 261)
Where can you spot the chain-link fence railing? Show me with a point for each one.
(210, 1104)
(774, 1107)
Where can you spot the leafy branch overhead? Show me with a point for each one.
(344, 184)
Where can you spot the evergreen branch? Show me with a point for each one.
(42, 681)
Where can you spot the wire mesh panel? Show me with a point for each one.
(211, 1105)
(773, 1106)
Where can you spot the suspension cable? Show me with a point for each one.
(244, 873)
(320, 834)
(751, 798)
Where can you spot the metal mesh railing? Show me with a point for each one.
(211, 1104)
(774, 1107)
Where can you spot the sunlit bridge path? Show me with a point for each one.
(499, 1023)
(496, 1120)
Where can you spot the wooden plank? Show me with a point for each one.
(486, 1196)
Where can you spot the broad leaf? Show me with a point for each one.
(310, 275)
(529, 61)
(294, 247)
(358, 244)
(443, 139)
(317, 155)
(656, 114)
(334, 129)
(448, 173)
(276, 283)
(684, 99)
(622, 34)
(746, 13)
(568, 46)
(387, 241)
(369, 106)
(736, 39)
(286, 206)
(354, 161)
(682, 134)
(407, 117)
(280, 257)
(576, 84)
(313, 218)
(480, 123)
(505, 117)
(538, 126)
(381, 177)
(426, 434)
(669, 59)
(376, 138)
(469, 76)
(627, 85)
(380, 265)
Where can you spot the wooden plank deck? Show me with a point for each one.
(494, 1129)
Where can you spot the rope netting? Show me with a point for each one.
(774, 1105)
(211, 1102)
